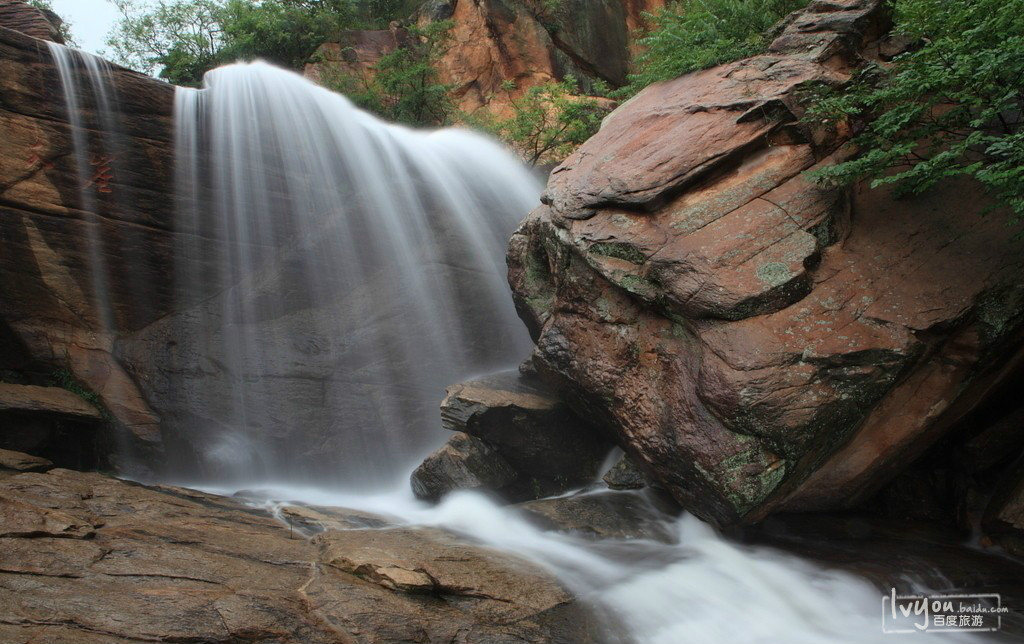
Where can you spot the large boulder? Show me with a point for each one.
(86, 558)
(759, 342)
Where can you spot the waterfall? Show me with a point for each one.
(364, 265)
(92, 163)
(360, 270)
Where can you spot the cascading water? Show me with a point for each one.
(96, 98)
(367, 272)
(363, 271)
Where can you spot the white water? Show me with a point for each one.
(365, 264)
(86, 88)
(701, 589)
(292, 180)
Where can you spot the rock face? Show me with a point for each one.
(85, 558)
(49, 421)
(758, 342)
(527, 42)
(515, 438)
(354, 55)
(38, 23)
(51, 308)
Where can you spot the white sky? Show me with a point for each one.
(90, 20)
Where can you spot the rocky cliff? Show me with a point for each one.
(57, 225)
(757, 342)
(525, 42)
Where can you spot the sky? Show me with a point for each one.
(90, 21)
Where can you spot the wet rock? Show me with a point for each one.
(463, 463)
(50, 307)
(625, 475)
(169, 564)
(759, 342)
(550, 448)
(314, 520)
(20, 462)
(607, 515)
(905, 555)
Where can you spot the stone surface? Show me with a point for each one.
(50, 305)
(28, 399)
(606, 515)
(540, 437)
(463, 463)
(354, 56)
(756, 341)
(50, 422)
(525, 42)
(624, 475)
(38, 23)
(19, 462)
(85, 558)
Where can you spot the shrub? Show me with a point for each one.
(690, 35)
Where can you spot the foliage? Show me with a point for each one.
(64, 27)
(183, 39)
(689, 35)
(179, 38)
(953, 106)
(64, 379)
(404, 86)
(548, 121)
(285, 32)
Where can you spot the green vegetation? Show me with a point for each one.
(689, 35)
(404, 86)
(183, 39)
(548, 121)
(64, 379)
(952, 106)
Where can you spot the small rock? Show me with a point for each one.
(606, 515)
(463, 463)
(625, 475)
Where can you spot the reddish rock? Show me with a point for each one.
(758, 342)
(354, 56)
(527, 42)
(86, 558)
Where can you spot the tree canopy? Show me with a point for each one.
(183, 39)
(951, 106)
